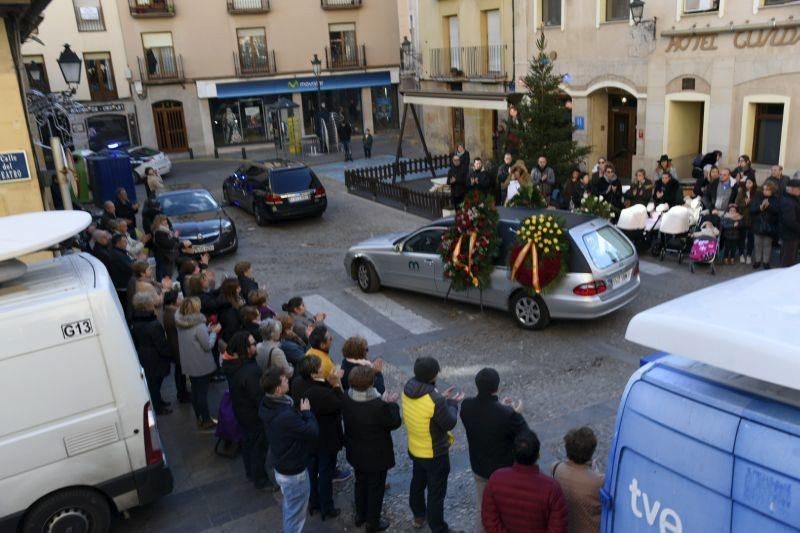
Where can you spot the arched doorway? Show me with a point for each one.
(612, 124)
(170, 126)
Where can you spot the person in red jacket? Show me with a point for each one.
(522, 499)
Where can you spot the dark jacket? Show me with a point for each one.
(640, 193)
(368, 141)
(293, 351)
(765, 222)
(253, 329)
(744, 174)
(491, 429)
(119, 268)
(292, 433)
(347, 366)
(229, 319)
(171, 330)
(710, 198)
(428, 417)
(458, 188)
(346, 133)
(125, 210)
(244, 381)
(165, 247)
(613, 194)
(743, 203)
(672, 193)
(326, 404)
(149, 212)
(103, 253)
(790, 218)
(368, 430)
(208, 302)
(105, 221)
(248, 285)
(484, 182)
(150, 341)
(520, 498)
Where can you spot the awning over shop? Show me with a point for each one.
(495, 101)
(240, 89)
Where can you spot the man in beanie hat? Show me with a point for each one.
(491, 428)
(429, 416)
(790, 222)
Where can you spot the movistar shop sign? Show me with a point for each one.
(302, 85)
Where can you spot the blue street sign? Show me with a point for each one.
(14, 167)
(580, 123)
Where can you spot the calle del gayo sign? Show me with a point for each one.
(757, 38)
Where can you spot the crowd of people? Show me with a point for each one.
(754, 217)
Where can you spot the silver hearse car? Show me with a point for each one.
(603, 269)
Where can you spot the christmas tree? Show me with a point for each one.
(543, 125)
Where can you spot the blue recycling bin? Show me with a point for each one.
(107, 173)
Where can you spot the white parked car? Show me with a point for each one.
(143, 157)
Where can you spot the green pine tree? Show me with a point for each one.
(544, 126)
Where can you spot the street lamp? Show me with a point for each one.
(70, 65)
(316, 67)
(637, 11)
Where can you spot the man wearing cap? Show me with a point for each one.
(790, 222)
(429, 417)
(491, 427)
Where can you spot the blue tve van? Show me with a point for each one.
(709, 441)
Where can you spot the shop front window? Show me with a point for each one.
(242, 121)
(384, 107)
(337, 108)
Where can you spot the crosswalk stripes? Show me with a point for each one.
(339, 321)
(399, 314)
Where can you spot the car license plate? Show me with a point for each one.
(202, 248)
(622, 279)
(299, 198)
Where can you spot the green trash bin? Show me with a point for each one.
(84, 191)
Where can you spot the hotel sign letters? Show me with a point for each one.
(786, 36)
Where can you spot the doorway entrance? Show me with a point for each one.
(685, 130)
(170, 126)
(622, 133)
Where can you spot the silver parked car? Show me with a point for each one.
(603, 269)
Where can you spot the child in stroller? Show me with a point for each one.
(706, 242)
(731, 233)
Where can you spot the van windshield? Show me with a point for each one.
(607, 246)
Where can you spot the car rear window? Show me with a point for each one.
(291, 180)
(607, 246)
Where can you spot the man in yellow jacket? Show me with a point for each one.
(429, 416)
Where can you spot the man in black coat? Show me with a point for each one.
(346, 134)
(101, 250)
(244, 381)
(150, 341)
(368, 425)
(292, 434)
(119, 266)
(491, 428)
(667, 190)
(457, 180)
(109, 214)
(127, 210)
(790, 222)
(326, 397)
(502, 175)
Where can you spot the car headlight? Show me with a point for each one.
(227, 226)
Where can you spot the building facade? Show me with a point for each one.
(692, 76)
(20, 189)
(205, 78)
(466, 49)
(92, 29)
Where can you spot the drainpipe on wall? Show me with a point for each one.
(513, 84)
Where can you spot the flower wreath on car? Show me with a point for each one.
(539, 257)
(596, 206)
(470, 244)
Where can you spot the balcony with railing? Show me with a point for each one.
(468, 62)
(90, 18)
(151, 8)
(340, 4)
(255, 65)
(161, 65)
(245, 7)
(337, 58)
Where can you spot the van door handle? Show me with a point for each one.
(429, 261)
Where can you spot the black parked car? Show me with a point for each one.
(199, 218)
(276, 189)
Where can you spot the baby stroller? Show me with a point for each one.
(706, 243)
(673, 233)
(652, 225)
(633, 222)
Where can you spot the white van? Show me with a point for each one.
(78, 437)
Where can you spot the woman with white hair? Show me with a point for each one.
(269, 353)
